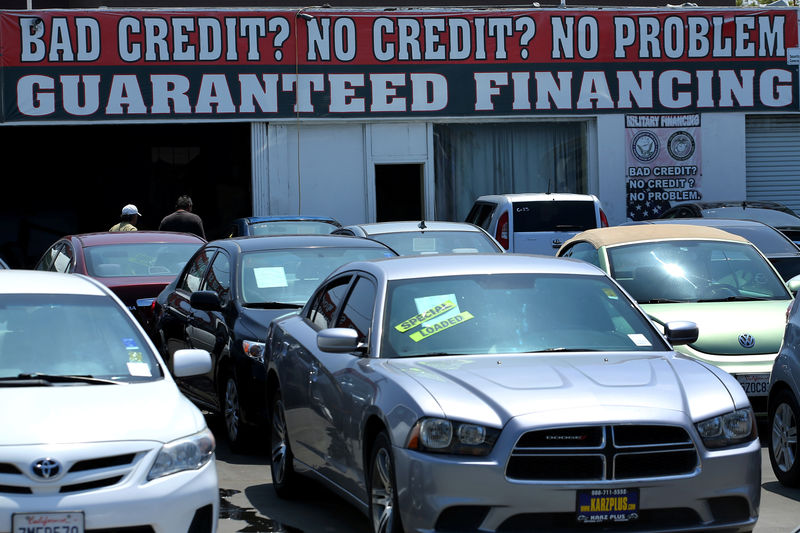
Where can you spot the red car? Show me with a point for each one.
(136, 265)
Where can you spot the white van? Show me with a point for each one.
(536, 223)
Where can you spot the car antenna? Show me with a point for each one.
(422, 225)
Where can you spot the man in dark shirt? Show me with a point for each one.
(183, 219)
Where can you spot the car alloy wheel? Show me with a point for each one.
(284, 478)
(232, 411)
(383, 508)
(783, 440)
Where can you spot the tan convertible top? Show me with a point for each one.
(651, 232)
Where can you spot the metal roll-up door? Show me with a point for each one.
(773, 159)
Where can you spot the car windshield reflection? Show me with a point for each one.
(436, 242)
(138, 259)
(694, 271)
(83, 339)
(292, 227)
(512, 313)
(290, 276)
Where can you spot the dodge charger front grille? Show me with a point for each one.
(595, 453)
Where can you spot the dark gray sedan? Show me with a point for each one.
(502, 392)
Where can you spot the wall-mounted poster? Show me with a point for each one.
(662, 163)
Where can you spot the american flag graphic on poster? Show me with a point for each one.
(662, 163)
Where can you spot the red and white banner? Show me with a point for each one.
(103, 65)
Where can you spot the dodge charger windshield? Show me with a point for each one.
(512, 313)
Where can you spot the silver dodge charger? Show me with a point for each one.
(505, 393)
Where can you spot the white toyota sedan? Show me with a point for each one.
(95, 434)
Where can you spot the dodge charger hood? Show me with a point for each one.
(96, 413)
(495, 388)
(721, 324)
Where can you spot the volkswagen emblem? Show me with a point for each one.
(747, 340)
(46, 468)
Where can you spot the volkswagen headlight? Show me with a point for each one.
(439, 435)
(188, 453)
(729, 429)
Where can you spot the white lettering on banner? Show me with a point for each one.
(86, 37)
(81, 95)
(673, 88)
(451, 39)
(698, 38)
(164, 40)
(566, 39)
(319, 39)
(429, 92)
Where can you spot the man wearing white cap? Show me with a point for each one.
(130, 215)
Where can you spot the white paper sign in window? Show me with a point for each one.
(428, 302)
(267, 277)
(424, 245)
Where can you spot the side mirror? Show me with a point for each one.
(192, 362)
(681, 332)
(794, 284)
(205, 301)
(338, 340)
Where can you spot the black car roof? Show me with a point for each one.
(274, 242)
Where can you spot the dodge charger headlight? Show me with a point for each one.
(439, 435)
(728, 429)
(188, 453)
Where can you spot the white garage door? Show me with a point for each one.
(773, 159)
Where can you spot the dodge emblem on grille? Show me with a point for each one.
(747, 340)
(46, 468)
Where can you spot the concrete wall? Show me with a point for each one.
(336, 167)
(337, 164)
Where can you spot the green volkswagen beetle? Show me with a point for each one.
(708, 276)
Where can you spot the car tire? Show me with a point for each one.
(285, 481)
(784, 416)
(384, 513)
(231, 407)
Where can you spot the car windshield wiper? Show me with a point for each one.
(737, 299)
(661, 301)
(272, 305)
(563, 349)
(50, 379)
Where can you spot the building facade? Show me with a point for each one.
(369, 114)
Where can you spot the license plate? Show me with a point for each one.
(49, 522)
(754, 384)
(607, 505)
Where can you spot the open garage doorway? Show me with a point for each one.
(61, 180)
(399, 192)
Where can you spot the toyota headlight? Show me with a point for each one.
(729, 429)
(439, 435)
(188, 453)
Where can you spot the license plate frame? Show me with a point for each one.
(754, 384)
(604, 506)
(65, 521)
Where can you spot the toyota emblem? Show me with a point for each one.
(747, 340)
(46, 468)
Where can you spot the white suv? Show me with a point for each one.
(95, 434)
(536, 223)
